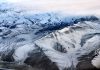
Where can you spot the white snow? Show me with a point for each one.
(96, 61)
(21, 53)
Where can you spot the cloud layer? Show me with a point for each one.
(65, 6)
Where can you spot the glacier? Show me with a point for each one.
(48, 41)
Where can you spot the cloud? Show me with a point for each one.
(66, 6)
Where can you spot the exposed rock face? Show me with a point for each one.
(47, 41)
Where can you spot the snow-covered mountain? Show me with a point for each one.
(47, 41)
